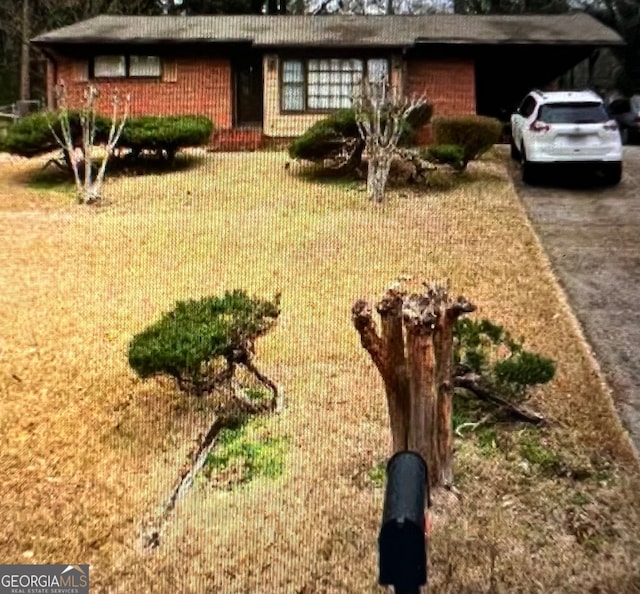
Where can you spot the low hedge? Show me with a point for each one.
(475, 134)
(31, 135)
(165, 133)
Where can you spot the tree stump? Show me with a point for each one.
(414, 355)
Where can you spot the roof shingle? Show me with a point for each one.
(322, 31)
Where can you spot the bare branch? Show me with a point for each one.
(362, 318)
(381, 112)
(473, 383)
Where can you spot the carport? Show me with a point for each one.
(515, 53)
(506, 73)
(513, 56)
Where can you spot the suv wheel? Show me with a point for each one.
(613, 173)
(528, 176)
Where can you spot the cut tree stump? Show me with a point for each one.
(413, 354)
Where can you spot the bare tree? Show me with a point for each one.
(88, 187)
(381, 114)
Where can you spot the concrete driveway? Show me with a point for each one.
(592, 237)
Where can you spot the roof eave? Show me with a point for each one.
(134, 41)
(518, 42)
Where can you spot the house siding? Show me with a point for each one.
(449, 84)
(204, 86)
(200, 86)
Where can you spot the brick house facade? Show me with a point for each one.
(260, 78)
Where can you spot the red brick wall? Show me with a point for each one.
(202, 86)
(449, 84)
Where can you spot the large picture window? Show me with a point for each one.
(326, 84)
(126, 66)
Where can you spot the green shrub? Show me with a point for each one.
(526, 368)
(186, 341)
(448, 154)
(476, 347)
(325, 136)
(32, 135)
(328, 136)
(169, 134)
(475, 134)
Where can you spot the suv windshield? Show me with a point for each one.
(573, 113)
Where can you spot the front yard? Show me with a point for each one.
(89, 451)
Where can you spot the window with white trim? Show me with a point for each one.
(293, 96)
(326, 84)
(127, 66)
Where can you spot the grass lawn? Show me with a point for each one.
(88, 451)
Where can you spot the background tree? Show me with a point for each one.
(510, 6)
(624, 17)
(22, 70)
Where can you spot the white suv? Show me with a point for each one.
(565, 127)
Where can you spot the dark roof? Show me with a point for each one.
(322, 31)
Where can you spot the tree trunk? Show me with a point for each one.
(397, 389)
(414, 357)
(423, 429)
(377, 175)
(25, 54)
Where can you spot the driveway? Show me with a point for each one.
(592, 237)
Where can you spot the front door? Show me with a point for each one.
(248, 91)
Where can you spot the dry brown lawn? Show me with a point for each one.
(88, 450)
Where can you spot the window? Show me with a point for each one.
(144, 66)
(325, 84)
(573, 113)
(293, 86)
(123, 66)
(527, 107)
(105, 66)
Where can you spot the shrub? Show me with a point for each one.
(169, 134)
(327, 137)
(448, 154)
(32, 135)
(185, 342)
(475, 134)
(487, 349)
